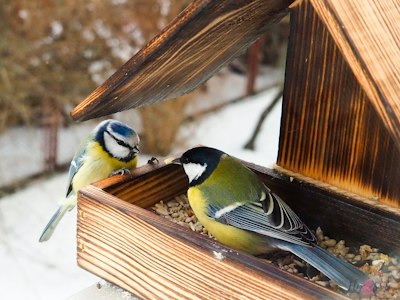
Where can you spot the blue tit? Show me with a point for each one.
(112, 147)
(241, 212)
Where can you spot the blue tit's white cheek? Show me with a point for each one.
(194, 171)
(114, 148)
(132, 140)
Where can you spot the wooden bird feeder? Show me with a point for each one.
(338, 162)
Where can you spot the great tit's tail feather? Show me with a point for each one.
(344, 274)
(55, 219)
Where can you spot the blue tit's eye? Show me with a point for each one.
(121, 143)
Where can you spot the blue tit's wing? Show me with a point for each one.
(269, 216)
(75, 165)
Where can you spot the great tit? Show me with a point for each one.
(111, 148)
(241, 212)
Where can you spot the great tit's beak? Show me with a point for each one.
(171, 160)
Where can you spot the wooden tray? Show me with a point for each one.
(122, 242)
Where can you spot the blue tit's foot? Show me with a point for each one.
(121, 171)
(153, 161)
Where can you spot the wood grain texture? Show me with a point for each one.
(340, 217)
(157, 259)
(148, 189)
(367, 33)
(330, 131)
(358, 222)
(205, 36)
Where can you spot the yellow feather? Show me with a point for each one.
(98, 165)
(228, 235)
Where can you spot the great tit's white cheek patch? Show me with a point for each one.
(114, 148)
(194, 171)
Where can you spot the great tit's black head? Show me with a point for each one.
(117, 139)
(199, 163)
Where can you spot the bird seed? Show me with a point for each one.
(383, 269)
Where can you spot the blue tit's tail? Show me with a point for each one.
(343, 273)
(56, 218)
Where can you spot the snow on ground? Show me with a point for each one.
(226, 85)
(229, 130)
(29, 270)
(21, 149)
(33, 270)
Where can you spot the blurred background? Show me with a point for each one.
(53, 54)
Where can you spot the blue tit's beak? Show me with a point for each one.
(136, 149)
(171, 160)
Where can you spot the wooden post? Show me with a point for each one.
(254, 56)
(50, 128)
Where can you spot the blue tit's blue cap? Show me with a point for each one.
(121, 129)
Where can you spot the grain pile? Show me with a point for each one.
(178, 211)
(383, 269)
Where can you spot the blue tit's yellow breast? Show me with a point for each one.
(97, 165)
(230, 236)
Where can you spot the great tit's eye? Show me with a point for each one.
(184, 160)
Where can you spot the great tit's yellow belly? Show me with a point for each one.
(230, 236)
(98, 165)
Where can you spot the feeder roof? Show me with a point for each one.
(205, 36)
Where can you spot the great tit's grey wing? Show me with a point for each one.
(275, 219)
(75, 165)
(269, 216)
(243, 201)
